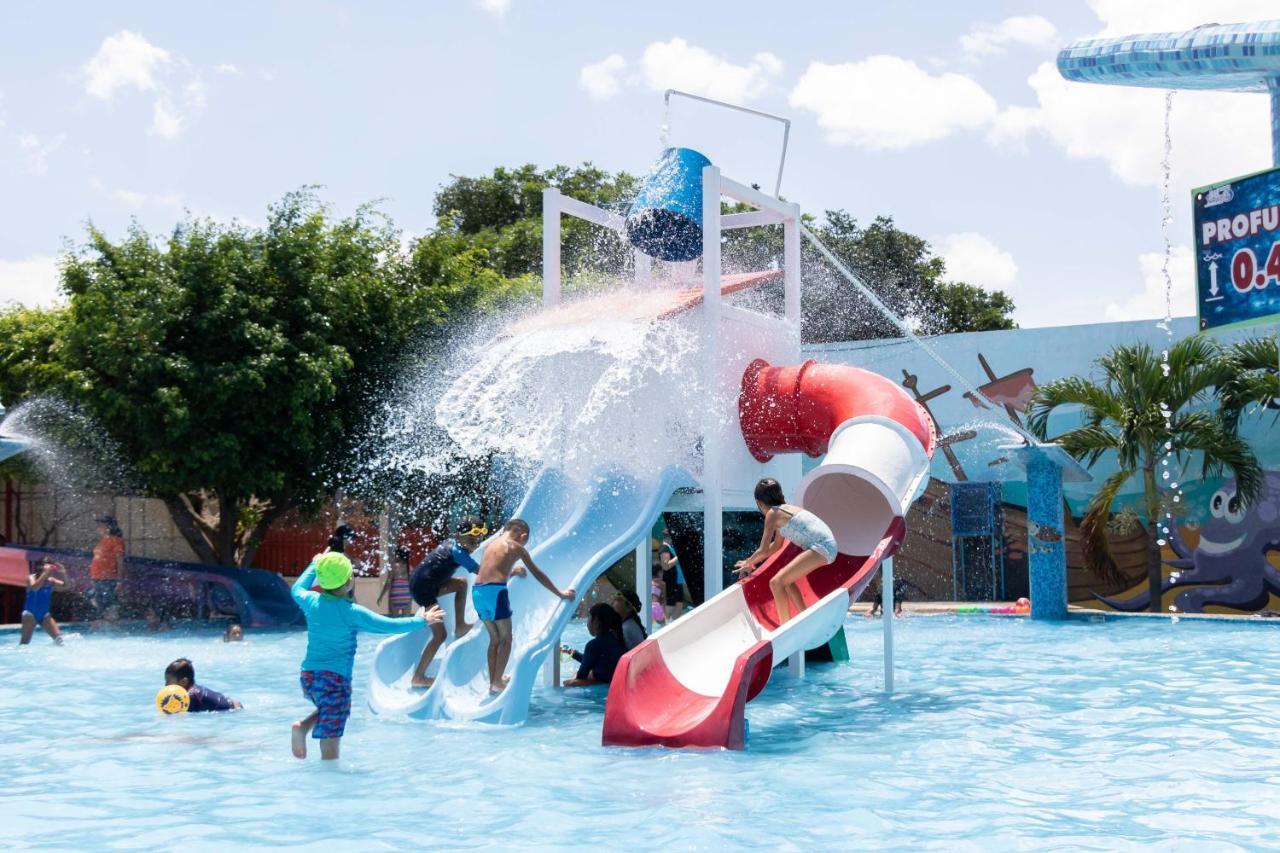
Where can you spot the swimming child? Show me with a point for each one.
(323, 592)
(804, 529)
(600, 658)
(490, 593)
(35, 607)
(234, 633)
(183, 673)
(397, 583)
(434, 577)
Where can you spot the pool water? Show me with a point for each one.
(1004, 733)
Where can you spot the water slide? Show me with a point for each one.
(260, 599)
(689, 683)
(576, 532)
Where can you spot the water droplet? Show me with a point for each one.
(1161, 541)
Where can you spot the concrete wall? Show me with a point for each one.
(42, 514)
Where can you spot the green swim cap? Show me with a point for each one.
(332, 570)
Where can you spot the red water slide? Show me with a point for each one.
(688, 684)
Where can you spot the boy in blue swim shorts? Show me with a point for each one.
(489, 595)
(35, 607)
(323, 592)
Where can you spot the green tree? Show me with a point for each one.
(234, 365)
(1137, 413)
(29, 342)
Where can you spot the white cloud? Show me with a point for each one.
(974, 259)
(497, 8)
(603, 80)
(1125, 17)
(676, 64)
(35, 152)
(165, 120)
(32, 282)
(1214, 135)
(123, 60)
(988, 39)
(889, 102)
(228, 68)
(137, 200)
(1149, 303)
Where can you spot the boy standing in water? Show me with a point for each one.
(490, 593)
(323, 592)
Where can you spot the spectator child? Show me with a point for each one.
(396, 583)
(600, 658)
(627, 605)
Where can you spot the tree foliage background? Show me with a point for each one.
(239, 367)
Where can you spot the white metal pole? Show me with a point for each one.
(644, 579)
(643, 267)
(712, 492)
(791, 266)
(550, 247)
(551, 668)
(886, 615)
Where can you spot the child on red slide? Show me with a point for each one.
(804, 529)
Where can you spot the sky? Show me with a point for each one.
(948, 116)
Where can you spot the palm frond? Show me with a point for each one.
(1097, 403)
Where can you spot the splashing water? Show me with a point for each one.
(69, 448)
(622, 389)
(1166, 324)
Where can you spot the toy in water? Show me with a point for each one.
(1018, 609)
(173, 699)
(665, 220)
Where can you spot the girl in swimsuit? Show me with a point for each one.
(787, 521)
(400, 601)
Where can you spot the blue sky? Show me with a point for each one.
(947, 116)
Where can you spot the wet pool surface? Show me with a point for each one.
(1003, 733)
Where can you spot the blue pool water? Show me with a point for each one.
(1004, 733)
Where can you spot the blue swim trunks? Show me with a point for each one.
(331, 694)
(491, 601)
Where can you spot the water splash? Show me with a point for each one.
(598, 381)
(1166, 491)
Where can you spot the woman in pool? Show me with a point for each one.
(787, 521)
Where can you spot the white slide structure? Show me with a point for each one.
(576, 533)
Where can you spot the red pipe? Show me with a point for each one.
(788, 409)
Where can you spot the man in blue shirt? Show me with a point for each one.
(323, 593)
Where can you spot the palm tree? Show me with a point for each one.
(1141, 412)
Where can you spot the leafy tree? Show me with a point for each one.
(234, 365)
(29, 341)
(1124, 416)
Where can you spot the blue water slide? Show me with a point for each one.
(578, 531)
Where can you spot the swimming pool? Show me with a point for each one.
(1004, 733)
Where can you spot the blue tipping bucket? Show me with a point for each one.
(665, 219)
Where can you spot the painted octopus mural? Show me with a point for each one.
(1229, 565)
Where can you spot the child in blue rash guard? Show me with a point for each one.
(182, 673)
(35, 607)
(323, 592)
(434, 577)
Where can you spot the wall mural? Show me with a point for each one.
(1222, 558)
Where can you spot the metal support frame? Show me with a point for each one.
(886, 616)
(644, 579)
(786, 124)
